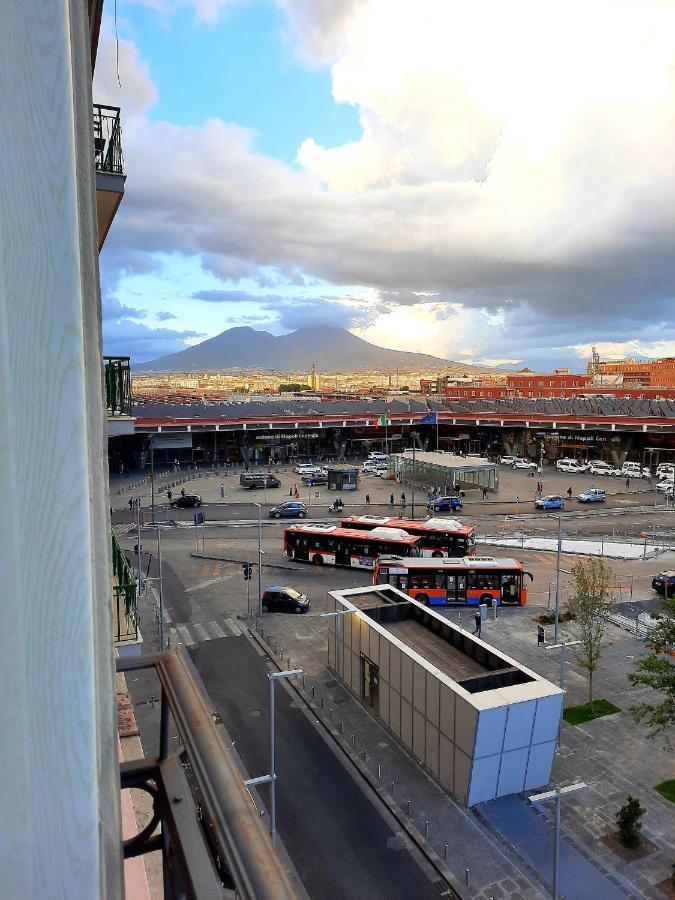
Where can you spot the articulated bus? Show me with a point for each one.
(439, 537)
(324, 544)
(465, 581)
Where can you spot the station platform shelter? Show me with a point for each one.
(443, 470)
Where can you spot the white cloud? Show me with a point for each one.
(515, 158)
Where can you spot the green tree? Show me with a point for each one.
(629, 820)
(593, 599)
(292, 387)
(656, 670)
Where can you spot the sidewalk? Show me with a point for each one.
(493, 871)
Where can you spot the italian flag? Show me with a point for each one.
(383, 421)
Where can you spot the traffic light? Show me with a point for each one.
(248, 571)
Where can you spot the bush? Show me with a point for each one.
(629, 820)
(548, 618)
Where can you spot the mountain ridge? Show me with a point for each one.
(331, 349)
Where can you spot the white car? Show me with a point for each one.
(309, 469)
(507, 460)
(599, 467)
(666, 486)
(571, 465)
(524, 464)
(378, 456)
(635, 470)
(665, 470)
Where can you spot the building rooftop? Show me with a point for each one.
(448, 460)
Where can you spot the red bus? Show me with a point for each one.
(325, 544)
(439, 537)
(465, 581)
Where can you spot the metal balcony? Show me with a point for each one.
(117, 385)
(109, 164)
(125, 596)
(210, 834)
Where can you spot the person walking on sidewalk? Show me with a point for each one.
(479, 622)
(569, 492)
(485, 493)
(169, 495)
(391, 500)
(627, 482)
(541, 635)
(367, 499)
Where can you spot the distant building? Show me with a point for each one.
(636, 373)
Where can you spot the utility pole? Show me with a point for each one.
(260, 556)
(557, 581)
(137, 503)
(561, 646)
(413, 435)
(152, 482)
(161, 593)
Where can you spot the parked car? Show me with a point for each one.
(600, 467)
(445, 504)
(666, 487)
(571, 465)
(307, 469)
(258, 480)
(635, 470)
(592, 495)
(550, 501)
(507, 460)
(524, 464)
(289, 509)
(378, 456)
(311, 480)
(285, 599)
(186, 501)
(664, 583)
(665, 470)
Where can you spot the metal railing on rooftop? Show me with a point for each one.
(125, 597)
(117, 385)
(108, 139)
(211, 835)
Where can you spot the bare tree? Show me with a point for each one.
(593, 599)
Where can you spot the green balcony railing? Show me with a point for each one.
(125, 607)
(117, 385)
(108, 139)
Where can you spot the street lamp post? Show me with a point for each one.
(152, 481)
(557, 581)
(414, 435)
(273, 677)
(161, 593)
(260, 556)
(562, 645)
(556, 795)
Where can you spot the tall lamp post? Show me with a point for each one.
(414, 435)
(260, 556)
(556, 795)
(562, 645)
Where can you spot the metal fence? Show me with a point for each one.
(108, 139)
(125, 603)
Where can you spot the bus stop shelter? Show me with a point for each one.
(444, 470)
(343, 478)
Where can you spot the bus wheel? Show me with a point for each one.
(422, 598)
(437, 554)
(317, 559)
(487, 599)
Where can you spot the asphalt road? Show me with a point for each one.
(341, 844)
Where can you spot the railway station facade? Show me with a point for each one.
(288, 431)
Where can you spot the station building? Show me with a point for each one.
(481, 723)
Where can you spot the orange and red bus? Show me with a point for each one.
(462, 581)
(325, 544)
(439, 537)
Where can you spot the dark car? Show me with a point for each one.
(258, 481)
(311, 480)
(664, 583)
(445, 504)
(285, 599)
(290, 509)
(187, 501)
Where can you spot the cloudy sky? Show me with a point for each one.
(485, 181)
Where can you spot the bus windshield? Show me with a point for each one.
(468, 581)
(438, 537)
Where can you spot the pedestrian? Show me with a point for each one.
(627, 483)
(517, 500)
(478, 621)
(169, 495)
(485, 493)
(246, 466)
(367, 499)
(182, 492)
(391, 500)
(541, 635)
(569, 492)
(290, 492)
(222, 490)
(457, 488)
(297, 494)
(131, 503)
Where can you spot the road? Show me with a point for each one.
(341, 843)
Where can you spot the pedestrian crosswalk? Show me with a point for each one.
(197, 633)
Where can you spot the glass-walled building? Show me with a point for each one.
(443, 470)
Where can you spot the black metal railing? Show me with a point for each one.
(117, 385)
(108, 139)
(125, 598)
(211, 835)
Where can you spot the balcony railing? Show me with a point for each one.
(117, 385)
(210, 832)
(125, 608)
(108, 139)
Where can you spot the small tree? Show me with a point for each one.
(629, 820)
(592, 580)
(656, 670)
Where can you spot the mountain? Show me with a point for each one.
(331, 349)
